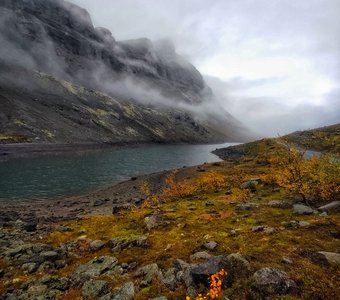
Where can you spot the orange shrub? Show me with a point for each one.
(211, 180)
(174, 188)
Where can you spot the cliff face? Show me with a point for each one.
(57, 38)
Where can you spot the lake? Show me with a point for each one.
(56, 176)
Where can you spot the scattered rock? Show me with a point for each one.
(200, 256)
(269, 230)
(148, 273)
(270, 281)
(170, 280)
(30, 227)
(201, 273)
(245, 206)
(155, 221)
(95, 267)
(304, 224)
(238, 266)
(29, 267)
(210, 245)
(287, 260)
(234, 232)
(327, 258)
(333, 207)
(119, 244)
(121, 206)
(280, 204)
(159, 298)
(301, 209)
(96, 245)
(257, 228)
(95, 288)
(126, 292)
(49, 256)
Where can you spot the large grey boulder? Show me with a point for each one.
(332, 207)
(148, 273)
(125, 292)
(95, 268)
(95, 288)
(270, 281)
(301, 209)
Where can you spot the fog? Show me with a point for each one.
(274, 65)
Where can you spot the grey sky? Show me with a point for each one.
(274, 64)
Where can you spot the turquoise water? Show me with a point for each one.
(55, 176)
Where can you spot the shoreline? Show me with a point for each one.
(123, 195)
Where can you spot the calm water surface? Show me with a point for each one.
(55, 176)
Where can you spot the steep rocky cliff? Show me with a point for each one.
(53, 60)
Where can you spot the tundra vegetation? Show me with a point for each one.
(247, 206)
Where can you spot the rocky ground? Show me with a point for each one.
(112, 244)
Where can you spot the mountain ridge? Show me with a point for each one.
(58, 39)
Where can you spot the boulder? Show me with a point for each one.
(333, 207)
(170, 280)
(96, 245)
(95, 268)
(301, 209)
(211, 245)
(156, 220)
(120, 206)
(148, 273)
(270, 281)
(238, 267)
(257, 228)
(119, 244)
(327, 258)
(125, 292)
(95, 288)
(304, 224)
(201, 273)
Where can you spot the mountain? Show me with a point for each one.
(63, 80)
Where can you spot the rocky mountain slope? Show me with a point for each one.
(54, 62)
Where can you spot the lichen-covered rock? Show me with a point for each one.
(270, 281)
(118, 244)
(94, 268)
(96, 245)
(148, 273)
(156, 220)
(95, 288)
(126, 292)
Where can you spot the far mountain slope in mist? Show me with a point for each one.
(54, 63)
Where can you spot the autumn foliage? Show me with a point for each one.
(313, 178)
(215, 290)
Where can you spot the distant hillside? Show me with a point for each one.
(54, 64)
(326, 139)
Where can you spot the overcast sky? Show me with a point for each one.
(274, 64)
